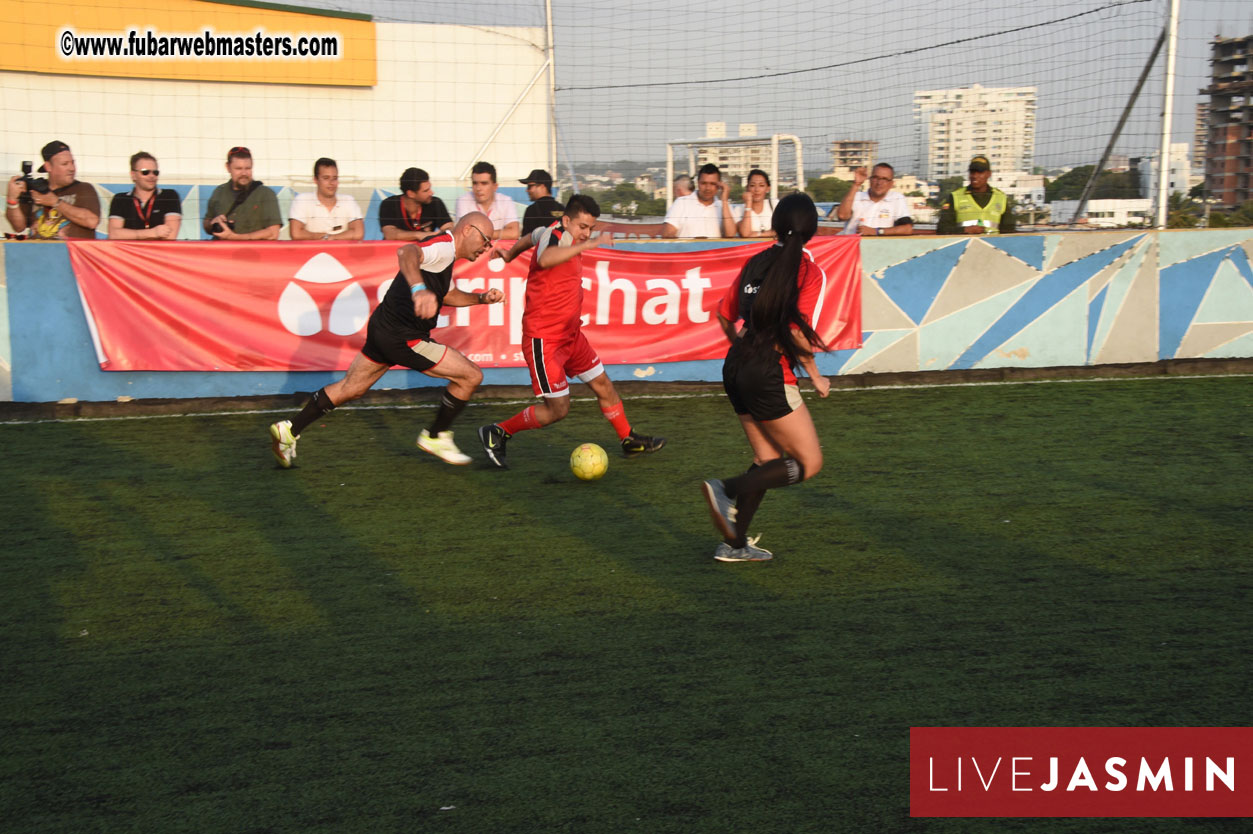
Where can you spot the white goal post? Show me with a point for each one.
(693, 147)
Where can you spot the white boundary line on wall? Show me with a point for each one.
(692, 396)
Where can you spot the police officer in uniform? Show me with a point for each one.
(978, 208)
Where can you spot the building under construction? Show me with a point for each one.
(1229, 144)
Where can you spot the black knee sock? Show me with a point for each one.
(449, 408)
(746, 505)
(772, 474)
(318, 405)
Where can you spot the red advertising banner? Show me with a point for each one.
(1081, 771)
(304, 306)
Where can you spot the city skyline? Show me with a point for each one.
(629, 79)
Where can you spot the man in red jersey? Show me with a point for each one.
(552, 335)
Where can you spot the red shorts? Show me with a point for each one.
(552, 360)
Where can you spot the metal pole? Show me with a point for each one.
(552, 90)
(669, 175)
(1113, 139)
(774, 167)
(487, 144)
(1168, 104)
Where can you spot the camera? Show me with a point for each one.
(35, 185)
(217, 229)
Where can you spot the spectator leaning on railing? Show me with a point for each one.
(243, 208)
(415, 213)
(483, 197)
(57, 207)
(705, 213)
(144, 212)
(326, 214)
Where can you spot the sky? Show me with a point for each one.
(633, 75)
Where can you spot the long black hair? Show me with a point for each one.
(775, 311)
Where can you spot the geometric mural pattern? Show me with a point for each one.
(1080, 298)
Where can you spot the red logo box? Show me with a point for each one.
(1081, 772)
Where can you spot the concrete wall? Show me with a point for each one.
(929, 303)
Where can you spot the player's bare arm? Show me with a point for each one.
(821, 384)
(728, 328)
(557, 255)
(460, 298)
(519, 246)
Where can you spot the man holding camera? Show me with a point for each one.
(57, 207)
(242, 209)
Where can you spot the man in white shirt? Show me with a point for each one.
(324, 215)
(500, 208)
(876, 211)
(702, 214)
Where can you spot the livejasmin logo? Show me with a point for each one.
(1081, 771)
(669, 301)
(1151, 777)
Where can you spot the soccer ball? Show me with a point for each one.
(588, 462)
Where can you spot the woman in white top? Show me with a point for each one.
(758, 207)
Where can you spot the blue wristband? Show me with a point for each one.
(414, 289)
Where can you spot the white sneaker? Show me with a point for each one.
(750, 552)
(284, 443)
(442, 447)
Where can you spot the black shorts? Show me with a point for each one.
(756, 384)
(384, 346)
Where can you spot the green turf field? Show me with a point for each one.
(196, 641)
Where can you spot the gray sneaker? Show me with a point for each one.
(747, 553)
(721, 508)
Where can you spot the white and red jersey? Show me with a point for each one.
(554, 297)
(738, 302)
(396, 310)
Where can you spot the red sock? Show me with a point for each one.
(523, 420)
(616, 416)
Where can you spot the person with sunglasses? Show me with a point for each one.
(243, 208)
(399, 333)
(876, 211)
(144, 212)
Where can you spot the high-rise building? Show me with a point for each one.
(1200, 135)
(1229, 138)
(735, 160)
(847, 155)
(955, 125)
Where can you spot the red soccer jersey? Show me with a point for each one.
(737, 303)
(554, 297)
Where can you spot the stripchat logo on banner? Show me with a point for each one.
(1081, 772)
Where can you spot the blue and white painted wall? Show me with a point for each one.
(929, 304)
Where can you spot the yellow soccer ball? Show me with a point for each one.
(589, 462)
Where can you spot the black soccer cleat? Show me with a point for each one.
(493, 438)
(638, 444)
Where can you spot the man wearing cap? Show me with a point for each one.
(415, 213)
(243, 208)
(544, 210)
(978, 208)
(483, 197)
(67, 209)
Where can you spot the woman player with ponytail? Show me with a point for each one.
(778, 296)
